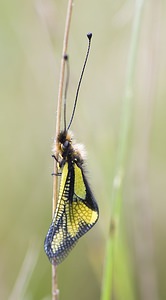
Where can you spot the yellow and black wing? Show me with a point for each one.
(76, 213)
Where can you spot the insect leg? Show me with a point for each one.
(56, 174)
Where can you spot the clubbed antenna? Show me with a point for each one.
(66, 87)
(89, 36)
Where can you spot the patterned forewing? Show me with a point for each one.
(57, 242)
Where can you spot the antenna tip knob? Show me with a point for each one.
(65, 57)
(89, 35)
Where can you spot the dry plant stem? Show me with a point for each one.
(58, 121)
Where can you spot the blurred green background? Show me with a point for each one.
(31, 35)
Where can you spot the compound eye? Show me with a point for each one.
(65, 145)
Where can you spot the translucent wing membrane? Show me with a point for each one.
(76, 213)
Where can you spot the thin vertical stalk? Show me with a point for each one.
(55, 291)
(20, 288)
(142, 222)
(116, 198)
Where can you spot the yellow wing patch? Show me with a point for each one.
(82, 216)
(79, 186)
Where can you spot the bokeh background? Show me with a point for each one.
(31, 35)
